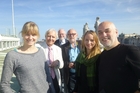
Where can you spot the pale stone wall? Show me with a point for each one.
(7, 42)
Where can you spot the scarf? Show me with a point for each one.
(91, 67)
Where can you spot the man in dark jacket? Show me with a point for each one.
(70, 51)
(59, 42)
(62, 38)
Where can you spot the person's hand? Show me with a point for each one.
(74, 92)
(54, 63)
(71, 65)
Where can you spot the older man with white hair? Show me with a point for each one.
(53, 57)
(61, 37)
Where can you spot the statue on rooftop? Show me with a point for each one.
(86, 28)
(96, 24)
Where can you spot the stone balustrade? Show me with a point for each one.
(7, 42)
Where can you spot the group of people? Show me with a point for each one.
(82, 68)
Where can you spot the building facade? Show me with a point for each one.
(130, 39)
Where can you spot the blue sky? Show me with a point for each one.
(70, 14)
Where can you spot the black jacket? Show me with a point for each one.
(58, 43)
(65, 53)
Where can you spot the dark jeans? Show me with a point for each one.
(62, 79)
(56, 86)
(71, 83)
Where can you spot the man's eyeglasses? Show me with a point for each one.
(73, 34)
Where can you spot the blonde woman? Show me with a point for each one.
(86, 63)
(28, 64)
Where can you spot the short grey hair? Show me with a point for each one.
(51, 30)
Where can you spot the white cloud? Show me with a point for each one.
(132, 10)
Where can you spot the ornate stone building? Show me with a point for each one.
(130, 39)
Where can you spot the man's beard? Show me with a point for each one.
(73, 41)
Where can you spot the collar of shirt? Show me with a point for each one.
(73, 53)
(62, 41)
(49, 46)
(72, 46)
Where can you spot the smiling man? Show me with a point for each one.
(119, 64)
(70, 51)
(62, 37)
(53, 57)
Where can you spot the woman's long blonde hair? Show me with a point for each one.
(96, 49)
